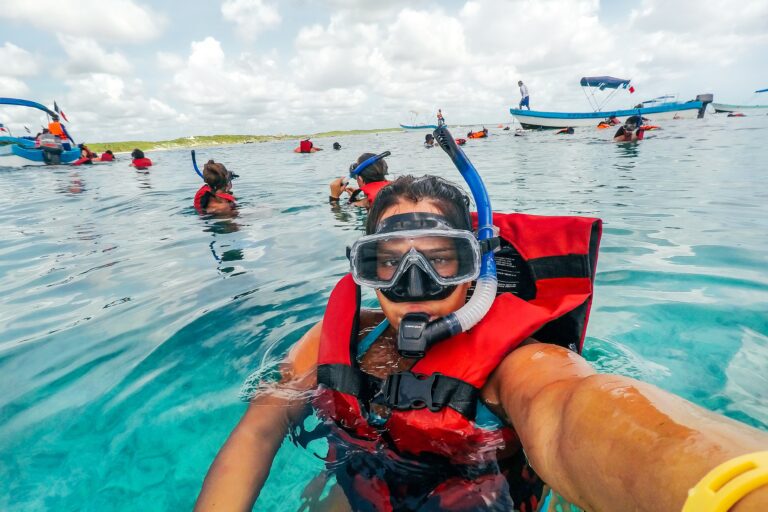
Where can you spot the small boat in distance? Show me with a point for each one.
(414, 123)
(654, 110)
(748, 108)
(47, 150)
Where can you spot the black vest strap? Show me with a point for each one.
(571, 265)
(402, 391)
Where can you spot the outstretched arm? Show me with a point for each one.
(607, 442)
(242, 465)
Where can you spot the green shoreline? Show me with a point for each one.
(217, 140)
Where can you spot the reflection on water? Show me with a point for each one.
(129, 321)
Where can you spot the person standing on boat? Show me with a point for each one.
(440, 118)
(55, 128)
(524, 94)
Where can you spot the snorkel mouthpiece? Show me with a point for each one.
(416, 332)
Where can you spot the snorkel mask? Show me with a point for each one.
(414, 257)
(420, 256)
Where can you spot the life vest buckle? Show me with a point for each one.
(407, 391)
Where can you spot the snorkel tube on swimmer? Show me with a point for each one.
(197, 169)
(194, 164)
(355, 171)
(416, 332)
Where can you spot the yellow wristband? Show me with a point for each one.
(722, 487)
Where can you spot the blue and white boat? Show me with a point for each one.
(654, 110)
(414, 123)
(745, 108)
(23, 151)
(418, 126)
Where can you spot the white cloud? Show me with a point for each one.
(102, 106)
(86, 56)
(103, 20)
(250, 16)
(169, 61)
(701, 17)
(353, 66)
(17, 61)
(12, 86)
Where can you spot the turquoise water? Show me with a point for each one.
(128, 322)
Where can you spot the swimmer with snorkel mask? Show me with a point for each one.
(369, 171)
(466, 390)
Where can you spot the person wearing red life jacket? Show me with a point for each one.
(107, 156)
(306, 146)
(631, 131)
(86, 156)
(215, 197)
(139, 161)
(413, 425)
(370, 172)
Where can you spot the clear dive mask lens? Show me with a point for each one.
(448, 257)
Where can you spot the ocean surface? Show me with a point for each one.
(128, 322)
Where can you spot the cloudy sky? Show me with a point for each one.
(142, 69)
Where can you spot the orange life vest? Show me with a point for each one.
(56, 129)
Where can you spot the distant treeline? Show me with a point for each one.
(215, 140)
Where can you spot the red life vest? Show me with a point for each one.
(372, 189)
(81, 161)
(106, 157)
(305, 146)
(201, 201)
(552, 262)
(142, 163)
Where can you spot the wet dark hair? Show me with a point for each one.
(109, 151)
(374, 172)
(451, 200)
(428, 137)
(215, 175)
(137, 153)
(336, 145)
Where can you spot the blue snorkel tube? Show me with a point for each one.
(194, 164)
(416, 333)
(197, 169)
(354, 173)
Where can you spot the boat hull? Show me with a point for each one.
(539, 119)
(419, 127)
(13, 155)
(725, 107)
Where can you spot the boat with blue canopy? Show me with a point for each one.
(750, 107)
(662, 107)
(45, 150)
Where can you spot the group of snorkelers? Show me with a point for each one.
(466, 390)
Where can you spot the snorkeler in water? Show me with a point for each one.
(429, 402)
(370, 171)
(631, 131)
(216, 195)
(307, 146)
(139, 160)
